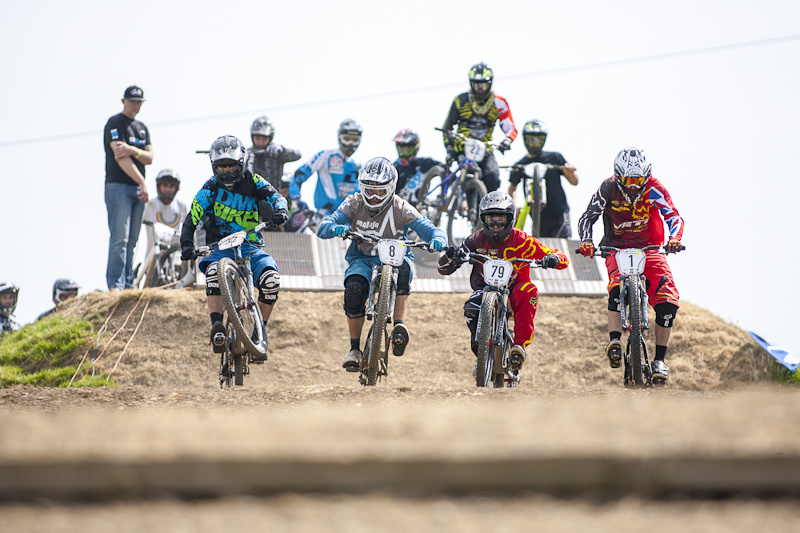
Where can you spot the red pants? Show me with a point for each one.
(660, 285)
(523, 300)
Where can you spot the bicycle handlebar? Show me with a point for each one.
(353, 235)
(206, 250)
(605, 251)
(475, 258)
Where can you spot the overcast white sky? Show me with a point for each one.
(708, 88)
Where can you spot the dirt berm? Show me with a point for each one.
(303, 447)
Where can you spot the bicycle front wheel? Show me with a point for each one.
(242, 306)
(378, 339)
(635, 339)
(487, 324)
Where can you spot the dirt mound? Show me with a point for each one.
(308, 337)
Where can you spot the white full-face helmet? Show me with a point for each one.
(378, 180)
(631, 168)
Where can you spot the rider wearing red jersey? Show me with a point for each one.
(635, 206)
(499, 239)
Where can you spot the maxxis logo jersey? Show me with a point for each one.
(631, 225)
(478, 126)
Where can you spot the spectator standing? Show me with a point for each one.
(128, 149)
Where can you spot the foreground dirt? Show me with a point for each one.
(167, 405)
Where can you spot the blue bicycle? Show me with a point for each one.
(459, 193)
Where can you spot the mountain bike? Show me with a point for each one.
(459, 193)
(495, 338)
(535, 194)
(633, 311)
(244, 323)
(162, 264)
(380, 303)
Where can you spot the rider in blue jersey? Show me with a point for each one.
(337, 174)
(229, 202)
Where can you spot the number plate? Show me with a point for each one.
(231, 241)
(497, 272)
(474, 149)
(631, 261)
(391, 252)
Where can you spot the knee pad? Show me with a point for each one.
(404, 280)
(268, 286)
(356, 292)
(212, 280)
(665, 314)
(613, 299)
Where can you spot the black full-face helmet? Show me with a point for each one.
(167, 175)
(63, 289)
(6, 310)
(407, 143)
(227, 160)
(497, 203)
(534, 135)
(480, 81)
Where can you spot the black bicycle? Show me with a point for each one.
(244, 324)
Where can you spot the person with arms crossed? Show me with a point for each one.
(128, 149)
(233, 198)
(376, 210)
(634, 206)
(555, 215)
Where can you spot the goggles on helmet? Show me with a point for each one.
(348, 139)
(633, 181)
(406, 150)
(534, 141)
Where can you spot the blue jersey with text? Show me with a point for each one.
(337, 178)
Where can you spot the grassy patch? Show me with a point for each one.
(46, 353)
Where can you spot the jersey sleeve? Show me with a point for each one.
(597, 204)
(505, 120)
(661, 198)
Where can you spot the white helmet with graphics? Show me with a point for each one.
(631, 168)
(378, 180)
(349, 136)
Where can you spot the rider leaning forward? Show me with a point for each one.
(633, 204)
(474, 115)
(229, 202)
(499, 239)
(376, 210)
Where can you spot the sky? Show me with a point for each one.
(709, 89)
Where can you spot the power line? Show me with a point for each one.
(547, 72)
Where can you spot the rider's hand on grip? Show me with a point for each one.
(279, 218)
(338, 231)
(673, 246)
(275, 150)
(505, 145)
(188, 253)
(438, 244)
(587, 249)
(550, 261)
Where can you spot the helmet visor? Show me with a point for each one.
(349, 139)
(633, 181)
(496, 221)
(406, 150)
(534, 142)
(376, 193)
(480, 87)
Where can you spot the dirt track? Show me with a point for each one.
(302, 406)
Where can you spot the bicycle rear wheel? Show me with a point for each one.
(487, 325)
(472, 190)
(429, 205)
(242, 306)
